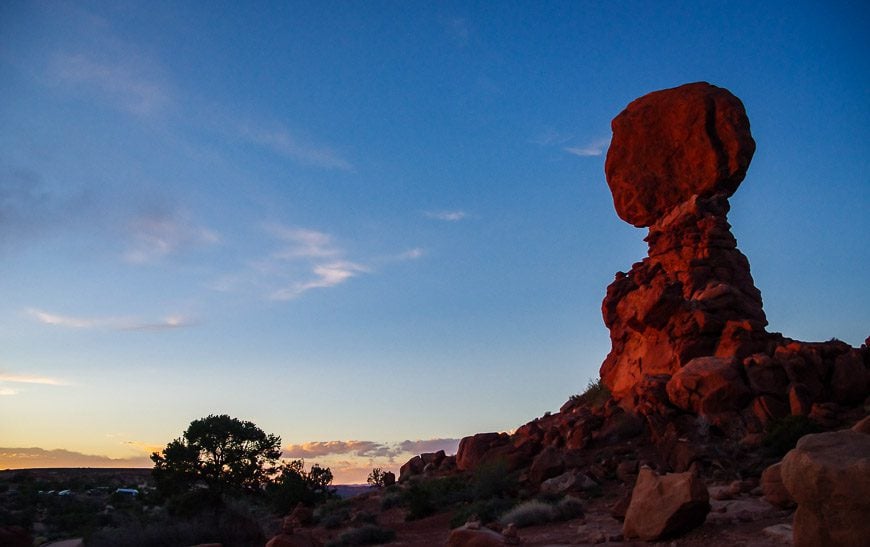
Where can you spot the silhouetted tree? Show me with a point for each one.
(222, 453)
(293, 485)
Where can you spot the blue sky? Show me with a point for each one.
(363, 224)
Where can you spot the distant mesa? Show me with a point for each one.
(672, 144)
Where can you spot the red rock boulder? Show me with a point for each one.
(828, 475)
(665, 506)
(672, 144)
(708, 386)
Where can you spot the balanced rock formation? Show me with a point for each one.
(671, 145)
(688, 316)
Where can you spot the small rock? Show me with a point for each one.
(781, 532)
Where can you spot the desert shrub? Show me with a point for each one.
(486, 510)
(365, 535)
(426, 497)
(529, 513)
(568, 508)
(333, 514)
(492, 480)
(419, 501)
(390, 500)
(596, 394)
(782, 435)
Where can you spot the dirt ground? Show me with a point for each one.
(739, 522)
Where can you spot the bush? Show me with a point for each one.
(486, 510)
(376, 478)
(365, 535)
(782, 435)
(390, 500)
(333, 514)
(493, 480)
(529, 513)
(425, 498)
(568, 508)
(596, 394)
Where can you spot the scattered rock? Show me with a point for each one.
(482, 537)
(548, 464)
(663, 506)
(569, 481)
(775, 492)
(828, 475)
(780, 532)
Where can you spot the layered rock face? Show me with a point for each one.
(689, 315)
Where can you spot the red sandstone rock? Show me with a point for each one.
(828, 475)
(672, 144)
(774, 490)
(412, 467)
(473, 450)
(708, 386)
(663, 506)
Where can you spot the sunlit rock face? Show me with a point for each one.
(673, 144)
(676, 156)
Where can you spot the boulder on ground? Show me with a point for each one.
(472, 451)
(775, 492)
(412, 467)
(709, 386)
(665, 506)
(828, 475)
(569, 481)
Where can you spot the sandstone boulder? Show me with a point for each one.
(775, 492)
(412, 467)
(665, 506)
(569, 481)
(709, 386)
(828, 475)
(672, 144)
(473, 450)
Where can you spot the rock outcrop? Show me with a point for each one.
(828, 475)
(663, 506)
(689, 315)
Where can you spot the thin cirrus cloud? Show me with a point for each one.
(301, 150)
(158, 235)
(8, 378)
(595, 148)
(447, 216)
(325, 262)
(125, 84)
(108, 323)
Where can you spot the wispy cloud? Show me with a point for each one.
(595, 148)
(9, 378)
(325, 276)
(363, 449)
(298, 149)
(158, 234)
(302, 243)
(449, 446)
(33, 457)
(411, 254)
(110, 323)
(449, 216)
(551, 137)
(126, 84)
